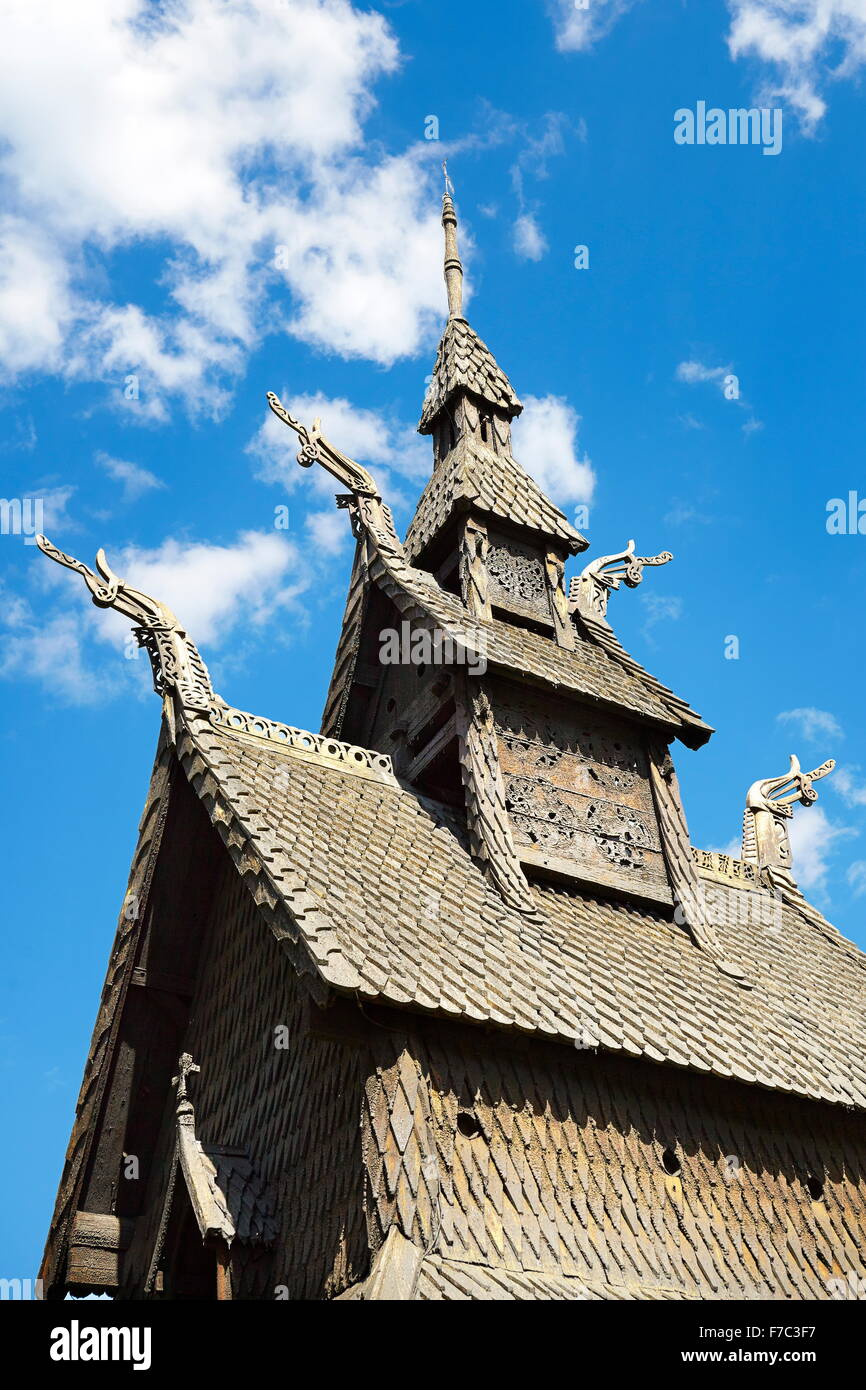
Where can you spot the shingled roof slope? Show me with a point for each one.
(441, 1279)
(239, 1192)
(494, 483)
(463, 360)
(444, 1280)
(377, 887)
(598, 668)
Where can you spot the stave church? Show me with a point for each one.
(441, 1002)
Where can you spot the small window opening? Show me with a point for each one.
(468, 1124)
(671, 1163)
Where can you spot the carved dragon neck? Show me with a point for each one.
(174, 658)
(591, 589)
(769, 808)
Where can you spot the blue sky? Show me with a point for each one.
(205, 201)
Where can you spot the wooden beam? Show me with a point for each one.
(223, 1273)
(432, 749)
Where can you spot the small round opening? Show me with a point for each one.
(815, 1188)
(468, 1124)
(671, 1163)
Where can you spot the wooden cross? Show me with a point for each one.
(185, 1066)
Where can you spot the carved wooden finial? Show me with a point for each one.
(174, 659)
(315, 448)
(769, 807)
(365, 505)
(589, 591)
(185, 1067)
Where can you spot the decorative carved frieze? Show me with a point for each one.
(488, 821)
(578, 793)
(517, 578)
(555, 819)
(517, 573)
(719, 865)
(348, 755)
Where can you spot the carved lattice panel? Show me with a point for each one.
(578, 793)
(517, 579)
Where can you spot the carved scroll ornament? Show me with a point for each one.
(590, 589)
(174, 659)
(315, 448)
(368, 512)
(769, 807)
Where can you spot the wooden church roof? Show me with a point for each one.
(377, 888)
(377, 891)
(465, 361)
(598, 668)
(476, 476)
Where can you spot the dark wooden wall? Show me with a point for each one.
(295, 1110)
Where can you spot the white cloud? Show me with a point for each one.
(852, 792)
(694, 372)
(218, 592)
(212, 588)
(539, 145)
(690, 422)
(364, 261)
(660, 608)
(683, 513)
(812, 724)
(856, 877)
(22, 435)
(734, 848)
(545, 442)
(384, 446)
(329, 531)
(813, 841)
(530, 242)
(15, 609)
(55, 507)
(805, 42)
(166, 357)
(134, 479)
(577, 29)
(35, 304)
(49, 651)
(217, 134)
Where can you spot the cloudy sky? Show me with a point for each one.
(207, 199)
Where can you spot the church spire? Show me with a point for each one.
(465, 367)
(453, 263)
